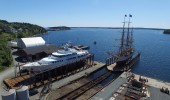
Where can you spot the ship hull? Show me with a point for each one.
(42, 68)
(123, 60)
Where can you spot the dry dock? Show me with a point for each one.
(85, 88)
(121, 89)
(59, 88)
(67, 80)
(62, 82)
(34, 79)
(81, 74)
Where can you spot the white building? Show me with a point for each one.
(30, 42)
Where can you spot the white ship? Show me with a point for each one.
(57, 59)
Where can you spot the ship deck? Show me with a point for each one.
(114, 68)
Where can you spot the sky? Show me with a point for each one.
(87, 13)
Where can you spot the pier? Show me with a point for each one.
(122, 88)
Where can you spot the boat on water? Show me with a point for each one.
(59, 58)
(126, 50)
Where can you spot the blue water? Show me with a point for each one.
(153, 45)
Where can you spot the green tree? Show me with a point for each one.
(20, 35)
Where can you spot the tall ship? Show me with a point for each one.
(60, 58)
(126, 49)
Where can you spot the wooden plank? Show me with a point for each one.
(27, 76)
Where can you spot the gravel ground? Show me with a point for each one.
(8, 73)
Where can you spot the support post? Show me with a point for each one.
(19, 69)
(112, 60)
(55, 73)
(42, 78)
(15, 70)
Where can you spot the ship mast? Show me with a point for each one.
(123, 33)
(128, 33)
(131, 38)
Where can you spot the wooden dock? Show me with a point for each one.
(11, 83)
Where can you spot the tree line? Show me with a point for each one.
(10, 31)
(167, 31)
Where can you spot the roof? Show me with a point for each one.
(33, 41)
(48, 49)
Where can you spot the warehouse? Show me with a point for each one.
(36, 53)
(30, 42)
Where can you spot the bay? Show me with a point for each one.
(153, 45)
